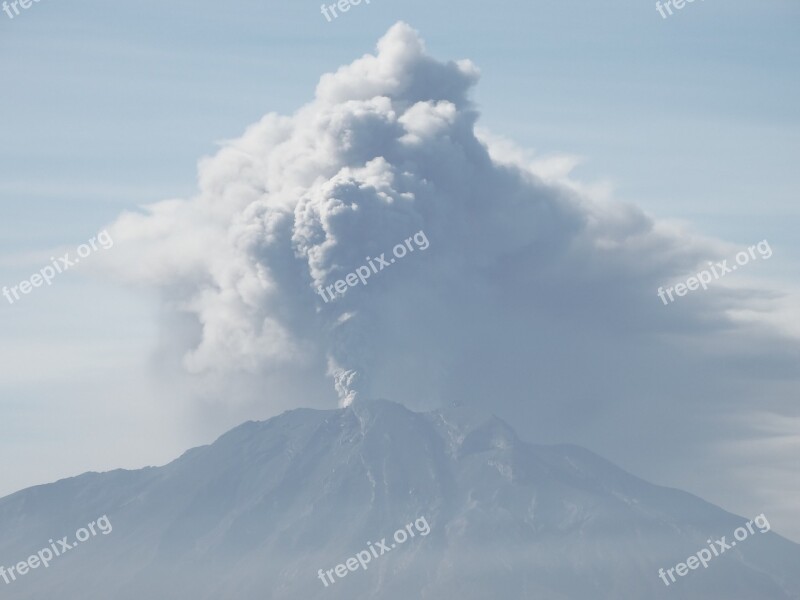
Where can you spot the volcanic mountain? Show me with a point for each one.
(259, 512)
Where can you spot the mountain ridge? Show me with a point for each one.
(256, 513)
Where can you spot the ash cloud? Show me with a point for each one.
(535, 297)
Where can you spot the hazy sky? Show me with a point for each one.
(691, 118)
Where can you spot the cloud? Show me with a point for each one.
(537, 295)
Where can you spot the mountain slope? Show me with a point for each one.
(257, 513)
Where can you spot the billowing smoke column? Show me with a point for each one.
(388, 150)
(533, 297)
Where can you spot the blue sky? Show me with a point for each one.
(106, 107)
(690, 116)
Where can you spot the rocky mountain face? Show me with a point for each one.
(309, 505)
